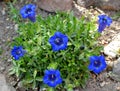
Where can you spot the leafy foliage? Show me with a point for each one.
(71, 62)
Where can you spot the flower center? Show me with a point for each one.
(28, 11)
(52, 77)
(97, 63)
(104, 20)
(18, 52)
(58, 41)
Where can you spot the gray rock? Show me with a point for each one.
(116, 71)
(5, 86)
(2, 80)
(112, 49)
(103, 4)
(85, 3)
(108, 4)
(55, 5)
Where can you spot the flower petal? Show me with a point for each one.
(97, 70)
(93, 58)
(53, 82)
(90, 67)
(101, 27)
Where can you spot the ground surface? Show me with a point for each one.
(101, 82)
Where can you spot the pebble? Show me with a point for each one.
(8, 27)
(2, 68)
(115, 74)
(3, 12)
(102, 84)
(3, 40)
(9, 60)
(16, 27)
(7, 19)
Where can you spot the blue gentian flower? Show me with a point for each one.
(52, 77)
(17, 52)
(97, 64)
(103, 22)
(58, 41)
(28, 11)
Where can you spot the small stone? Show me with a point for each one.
(43, 89)
(7, 19)
(3, 12)
(8, 27)
(16, 27)
(3, 40)
(9, 60)
(2, 68)
(102, 84)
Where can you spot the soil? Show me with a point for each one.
(101, 82)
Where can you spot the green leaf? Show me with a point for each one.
(35, 73)
(23, 69)
(39, 79)
(52, 65)
(50, 89)
(28, 80)
(34, 84)
(11, 71)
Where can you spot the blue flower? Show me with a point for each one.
(28, 11)
(52, 77)
(17, 52)
(58, 41)
(103, 22)
(97, 64)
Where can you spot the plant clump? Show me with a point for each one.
(57, 51)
